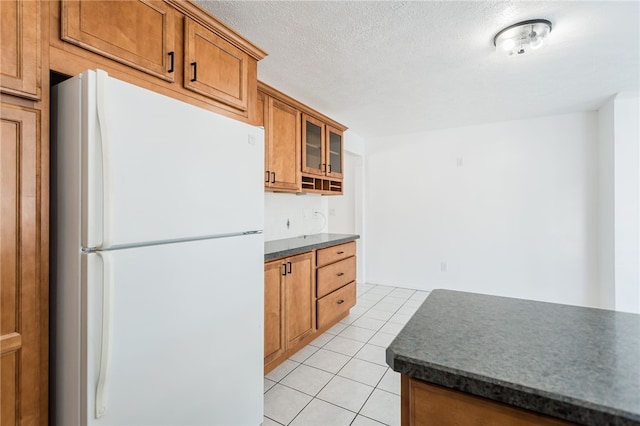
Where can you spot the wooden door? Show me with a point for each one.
(283, 141)
(334, 152)
(22, 370)
(274, 343)
(20, 53)
(313, 157)
(138, 33)
(215, 68)
(300, 307)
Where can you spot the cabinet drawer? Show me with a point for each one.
(335, 253)
(336, 275)
(335, 304)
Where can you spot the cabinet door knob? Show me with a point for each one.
(289, 271)
(329, 165)
(284, 269)
(171, 55)
(273, 177)
(340, 274)
(267, 179)
(340, 302)
(195, 71)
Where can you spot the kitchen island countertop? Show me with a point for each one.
(291, 246)
(573, 363)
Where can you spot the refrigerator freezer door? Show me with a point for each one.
(157, 169)
(184, 335)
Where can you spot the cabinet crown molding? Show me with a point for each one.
(203, 17)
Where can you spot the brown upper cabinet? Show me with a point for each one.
(213, 67)
(173, 40)
(20, 54)
(282, 145)
(322, 148)
(140, 34)
(303, 147)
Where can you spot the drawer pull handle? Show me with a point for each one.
(340, 252)
(340, 274)
(340, 302)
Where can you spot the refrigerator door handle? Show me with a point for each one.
(103, 113)
(105, 352)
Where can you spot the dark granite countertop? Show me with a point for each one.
(574, 363)
(291, 246)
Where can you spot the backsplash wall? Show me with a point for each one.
(307, 214)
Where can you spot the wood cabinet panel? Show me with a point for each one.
(20, 335)
(336, 304)
(282, 149)
(425, 404)
(289, 307)
(140, 33)
(299, 296)
(333, 254)
(334, 276)
(274, 344)
(215, 68)
(20, 54)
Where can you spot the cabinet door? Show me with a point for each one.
(283, 141)
(334, 152)
(300, 306)
(313, 157)
(273, 311)
(21, 374)
(20, 53)
(138, 33)
(213, 67)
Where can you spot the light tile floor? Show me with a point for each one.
(342, 378)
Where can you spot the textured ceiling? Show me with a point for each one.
(391, 67)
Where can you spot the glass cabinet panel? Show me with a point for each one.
(313, 155)
(334, 153)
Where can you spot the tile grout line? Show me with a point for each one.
(352, 357)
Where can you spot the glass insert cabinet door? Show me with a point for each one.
(334, 152)
(313, 146)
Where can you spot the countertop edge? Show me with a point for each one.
(565, 408)
(303, 248)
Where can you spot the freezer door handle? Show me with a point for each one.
(105, 352)
(102, 105)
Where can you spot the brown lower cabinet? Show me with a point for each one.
(289, 305)
(425, 404)
(304, 296)
(23, 309)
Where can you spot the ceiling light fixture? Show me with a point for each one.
(519, 38)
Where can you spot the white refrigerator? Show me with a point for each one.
(157, 260)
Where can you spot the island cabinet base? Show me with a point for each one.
(424, 404)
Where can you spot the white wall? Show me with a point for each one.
(506, 208)
(306, 214)
(606, 211)
(626, 125)
(346, 212)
